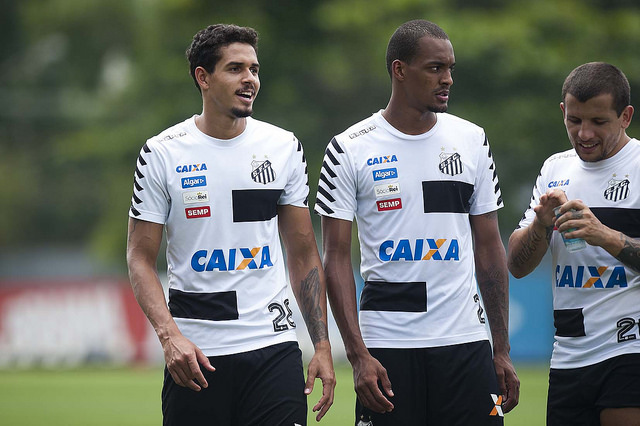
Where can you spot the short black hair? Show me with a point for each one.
(597, 78)
(403, 44)
(205, 48)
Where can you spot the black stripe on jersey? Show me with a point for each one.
(219, 306)
(327, 181)
(336, 146)
(333, 159)
(328, 169)
(326, 194)
(255, 205)
(137, 185)
(136, 199)
(146, 149)
(569, 322)
(626, 221)
(139, 173)
(324, 207)
(134, 211)
(447, 196)
(394, 296)
(141, 160)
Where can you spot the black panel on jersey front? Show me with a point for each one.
(220, 306)
(569, 322)
(626, 221)
(255, 205)
(394, 297)
(447, 196)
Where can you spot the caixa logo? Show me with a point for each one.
(185, 168)
(591, 277)
(192, 182)
(235, 259)
(383, 174)
(557, 183)
(420, 249)
(381, 160)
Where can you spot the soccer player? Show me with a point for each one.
(423, 188)
(226, 187)
(595, 365)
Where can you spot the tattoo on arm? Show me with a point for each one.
(531, 244)
(630, 253)
(310, 306)
(494, 297)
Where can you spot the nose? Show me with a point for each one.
(249, 77)
(585, 132)
(447, 78)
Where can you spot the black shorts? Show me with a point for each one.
(441, 386)
(264, 387)
(577, 395)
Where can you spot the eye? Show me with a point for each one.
(254, 70)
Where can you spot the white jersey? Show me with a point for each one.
(412, 197)
(596, 299)
(218, 201)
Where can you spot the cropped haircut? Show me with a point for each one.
(403, 44)
(596, 78)
(205, 48)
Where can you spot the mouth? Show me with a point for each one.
(443, 95)
(246, 95)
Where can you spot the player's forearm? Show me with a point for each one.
(527, 247)
(493, 282)
(310, 293)
(341, 291)
(629, 255)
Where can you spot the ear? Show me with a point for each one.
(397, 69)
(202, 77)
(627, 115)
(562, 108)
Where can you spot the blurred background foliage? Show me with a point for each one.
(83, 84)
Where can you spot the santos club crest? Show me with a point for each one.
(450, 164)
(262, 172)
(617, 190)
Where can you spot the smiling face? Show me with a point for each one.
(594, 129)
(233, 85)
(428, 76)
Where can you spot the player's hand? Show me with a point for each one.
(368, 373)
(508, 381)
(183, 360)
(577, 216)
(549, 201)
(321, 367)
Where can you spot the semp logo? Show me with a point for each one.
(392, 204)
(381, 160)
(383, 174)
(191, 168)
(390, 251)
(590, 277)
(235, 259)
(196, 212)
(195, 197)
(386, 189)
(557, 183)
(194, 181)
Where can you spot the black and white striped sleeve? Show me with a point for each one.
(337, 186)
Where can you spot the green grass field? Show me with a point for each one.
(120, 397)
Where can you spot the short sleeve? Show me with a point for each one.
(296, 190)
(150, 200)
(487, 195)
(337, 185)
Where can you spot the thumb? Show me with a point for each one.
(308, 386)
(203, 360)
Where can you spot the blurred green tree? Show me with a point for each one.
(85, 83)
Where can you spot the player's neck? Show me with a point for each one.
(408, 120)
(220, 126)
